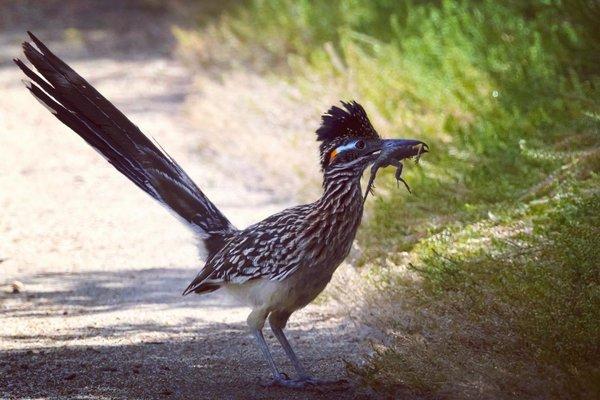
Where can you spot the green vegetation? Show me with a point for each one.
(499, 294)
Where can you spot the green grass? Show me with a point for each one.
(501, 297)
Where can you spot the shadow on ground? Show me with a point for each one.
(103, 291)
(152, 370)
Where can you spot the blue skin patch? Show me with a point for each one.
(347, 146)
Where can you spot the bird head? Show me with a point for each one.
(349, 141)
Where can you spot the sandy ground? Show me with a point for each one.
(100, 314)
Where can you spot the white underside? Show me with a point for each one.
(258, 293)
(289, 295)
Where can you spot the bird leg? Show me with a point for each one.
(256, 321)
(304, 378)
(278, 320)
(279, 378)
(262, 345)
(278, 332)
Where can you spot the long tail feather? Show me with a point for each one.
(77, 104)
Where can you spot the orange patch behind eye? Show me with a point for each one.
(333, 154)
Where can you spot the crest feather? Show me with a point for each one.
(340, 123)
(350, 121)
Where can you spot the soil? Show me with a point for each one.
(91, 269)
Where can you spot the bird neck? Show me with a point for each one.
(329, 230)
(342, 192)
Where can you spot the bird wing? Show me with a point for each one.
(269, 249)
(77, 104)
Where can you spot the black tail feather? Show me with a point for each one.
(82, 108)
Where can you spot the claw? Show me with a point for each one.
(288, 383)
(405, 184)
(283, 380)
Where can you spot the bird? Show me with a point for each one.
(276, 266)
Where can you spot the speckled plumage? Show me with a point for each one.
(275, 266)
(310, 239)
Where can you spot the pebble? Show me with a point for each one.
(17, 287)
(70, 376)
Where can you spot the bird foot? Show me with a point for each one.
(321, 382)
(301, 383)
(284, 381)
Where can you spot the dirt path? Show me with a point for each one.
(100, 314)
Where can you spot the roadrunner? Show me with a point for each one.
(275, 266)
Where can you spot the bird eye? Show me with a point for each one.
(360, 145)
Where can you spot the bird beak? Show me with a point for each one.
(400, 149)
